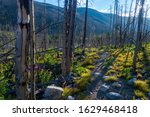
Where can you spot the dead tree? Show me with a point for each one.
(59, 39)
(32, 48)
(84, 29)
(110, 25)
(127, 27)
(115, 23)
(125, 12)
(69, 19)
(139, 32)
(145, 20)
(44, 41)
(21, 44)
(133, 25)
(121, 27)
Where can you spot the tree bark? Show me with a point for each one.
(84, 29)
(139, 33)
(69, 19)
(32, 48)
(21, 44)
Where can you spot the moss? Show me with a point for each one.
(83, 81)
(139, 76)
(82, 96)
(111, 79)
(91, 67)
(139, 65)
(110, 72)
(147, 69)
(69, 91)
(87, 61)
(140, 94)
(1, 98)
(94, 49)
(142, 85)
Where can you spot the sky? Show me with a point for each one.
(100, 5)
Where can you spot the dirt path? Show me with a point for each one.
(96, 82)
(94, 89)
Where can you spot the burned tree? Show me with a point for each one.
(21, 45)
(69, 19)
(84, 28)
(139, 33)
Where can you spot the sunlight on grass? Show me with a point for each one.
(111, 79)
(140, 94)
(142, 85)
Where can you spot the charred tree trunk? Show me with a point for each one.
(139, 33)
(69, 19)
(84, 29)
(32, 48)
(121, 27)
(21, 44)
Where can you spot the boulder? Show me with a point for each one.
(132, 81)
(149, 94)
(53, 93)
(104, 88)
(105, 77)
(96, 74)
(114, 96)
(71, 98)
(116, 84)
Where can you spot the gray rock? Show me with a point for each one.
(132, 81)
(116, 84)
(53, 93)
(97, 61)
(104, 55)
(96, 74)
(148, 78)
(149, 94)
(71, 98)
(114, 96)
(105, 77)
(104, 88)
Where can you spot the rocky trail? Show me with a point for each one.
(98, 89)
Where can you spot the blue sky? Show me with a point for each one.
(100, 5)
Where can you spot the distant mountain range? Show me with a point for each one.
(97, 22)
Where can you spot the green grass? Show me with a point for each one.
(140, 94)
(111, 79)
(142, 85)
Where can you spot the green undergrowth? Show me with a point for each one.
(82, 70)
(122, 69)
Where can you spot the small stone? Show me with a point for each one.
(114, 96)
(97, 61)
(132, 81)
(148, 78)
(109, 67)
(53, 93)
(71, 98)
(116, 84)
(149, 94)
(96, 74)
(104, 88)
(69, 86)
(105, 77)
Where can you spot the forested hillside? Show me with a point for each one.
(8, 13)
(50, 52)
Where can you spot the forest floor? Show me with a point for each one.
(101, 74)
(117, 80)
